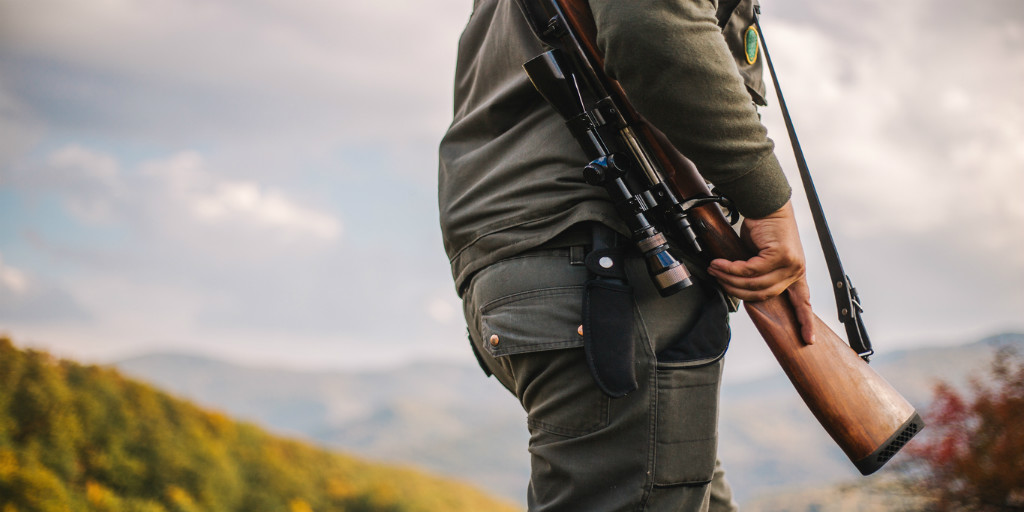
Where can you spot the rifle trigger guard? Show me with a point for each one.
(723, 202)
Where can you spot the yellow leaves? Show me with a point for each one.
(8, 463)
(219, 423)
(40, 489)
(299, 505)
(385, 493)
(341, 489)
(95, 493)
(180, 499)
(74, 437)
(101, 498)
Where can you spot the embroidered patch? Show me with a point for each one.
(750, 44)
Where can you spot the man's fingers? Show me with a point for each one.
(777, 266)
(743, 290)
(800, 297)
(758, 265)
(766, 261)
(798, 291)
(771, 283)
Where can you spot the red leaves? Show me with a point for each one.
(974, 453)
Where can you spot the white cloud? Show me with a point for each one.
(94, 165)
(956, 100)
(12, 280)
(179, 194)
(213, 201)
(27, 299)
(245, 200)
(90, 180)
(301, 112)
(340, 65)
(913, 146)
(19, 128)
(172, 190)
(444, 309)
(912, 124)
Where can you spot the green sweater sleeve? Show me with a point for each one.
(671, 58)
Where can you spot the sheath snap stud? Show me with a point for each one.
(494, 340)
(579, 330)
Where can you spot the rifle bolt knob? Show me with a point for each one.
(494, 340)
(594, 174)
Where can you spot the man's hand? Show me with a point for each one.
(777, 267)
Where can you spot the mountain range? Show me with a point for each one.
(448, 418)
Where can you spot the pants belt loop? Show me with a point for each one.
(577, 255)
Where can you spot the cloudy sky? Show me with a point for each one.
(255, 179)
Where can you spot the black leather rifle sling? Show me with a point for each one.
(847, 301)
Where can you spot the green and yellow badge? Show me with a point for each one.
(750, 44)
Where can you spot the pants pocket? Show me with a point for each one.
(687, 424)
(535, 336)
(525, 315)
(533, 321)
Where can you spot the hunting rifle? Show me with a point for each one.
(655, 187)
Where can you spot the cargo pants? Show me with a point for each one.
(652, 450)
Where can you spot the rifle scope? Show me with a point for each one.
(609, 168)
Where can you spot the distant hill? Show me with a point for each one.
(770, 442)
(442, 417)
(877, 493)
(449, 418)
(76, 437)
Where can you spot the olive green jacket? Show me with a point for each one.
(510, 172)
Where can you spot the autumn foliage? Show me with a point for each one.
(973, 457)
(84, 438)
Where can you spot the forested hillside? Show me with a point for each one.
(79, 438)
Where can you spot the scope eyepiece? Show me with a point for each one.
(667, 272)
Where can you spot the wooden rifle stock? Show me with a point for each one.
(862, 412)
